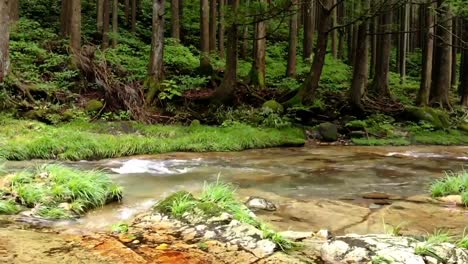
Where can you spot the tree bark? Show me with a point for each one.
(221, 27)
(156, 66)
(309, 27)
(4, 39)
(65, 15)
(306, 93)
(380, 83)
(115, 21)
(224, 93)
(75, 21)
(427, 57)
(293, 25)
(105, 24)
(464, 67)
(205, 66)
(213, 20)
(175, 21)
(258, 71)
(405, 20)
(127, 12)
(134, 16)
(100, 15)
(361, 67)
(443, 58)
(334, 33)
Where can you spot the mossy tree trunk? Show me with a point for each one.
(361, 67)
(443, 58)
(427, 57)
(156, 66)
(4, 39)
(292, 50)
(306, 93)
(309, 27)
(258, 71)
(224, 92)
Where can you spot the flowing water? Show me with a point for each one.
(298, 173)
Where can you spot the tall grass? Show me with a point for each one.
(452, 183)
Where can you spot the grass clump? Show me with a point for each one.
(8, 207)
(25, 140)
(58, 192)
(463, 242)
(452, 184)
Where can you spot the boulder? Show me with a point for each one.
(273, 106)
(258, 203)
(93, 105)
(439, 119)
(328, 131)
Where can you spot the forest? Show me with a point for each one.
(359, 71)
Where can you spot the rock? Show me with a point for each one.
(322, 234)
(264, 248)
(328, 131)
(452, 199)
(65, 206)
(296, 236)
(164, 205)
(195, 123)
(439, 119)
(162, 246)
(273, 106)
(376, 195)
(93, 105)
(223, 218)
(258, 203)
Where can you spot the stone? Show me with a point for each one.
(258, 203)
(452, 199)
(328, 131)
(376, 195)
(322, 234)
(264, 248)
(296, 236)
(273, 106)
(93, 105)
(195, 123)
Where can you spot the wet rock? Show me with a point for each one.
(258, 203)
(452, 199)
(273, 106)
(328, 131)
(263, 248)
(296, 236)
(376, 195)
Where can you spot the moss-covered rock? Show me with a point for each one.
(94, 105)
(273, 106)
(438, 118)
(209, 209)
(195, 123)
(328, 131)
(164, 206)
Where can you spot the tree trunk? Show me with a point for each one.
(443, 58)
(134, 16)
(4, 39)
(156, 67)
(127, 12)
(100, 15)
(291, 67)
(65, 15)
(309, 27)
(75, 21)
(224, 92)
(105, 24)
(258, 71)
(213, 25)
(115, 21)
(334, 33)
(404, 41)
(205, 67)
(361, 67)
(455, 36)
(427, 57)
(306, 93)
(380, 83)
(14, 10)
(373, 41)
(221, 27)
(175, 21)
(464, 66)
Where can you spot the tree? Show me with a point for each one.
(100, 15)
(361, 66)
(14, 10)
(309, 27)
(105, 24)
(65, 14)
(427, 57)
(75, 21)
(464, 66)
(175, 20)
(115, 19)
(225, 91)
(205, 66)
(334, 35)
(258, 71)
(213, 21)
(134, 16)
(443, 58)
(221, 27)
(4, 39)
(156, 66)
(292, 50)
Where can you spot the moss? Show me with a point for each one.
(438, 118)
(463, 127)
(195, 123)
(328, 131)
(273, 106)
(94, 105)
(449, 137)
(209, 209)
(165, 206)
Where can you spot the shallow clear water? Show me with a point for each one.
(300, 173)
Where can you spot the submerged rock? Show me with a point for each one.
(328, 131)
(258, 203)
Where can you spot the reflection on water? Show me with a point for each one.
(328, 172)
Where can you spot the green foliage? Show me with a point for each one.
(463, 242)
(377, 124)
(120, 228)
(263, 117)
(336, 75)
(54, 213)
(382, 260)
(453, 183)
(8, 207)
(181, 204)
